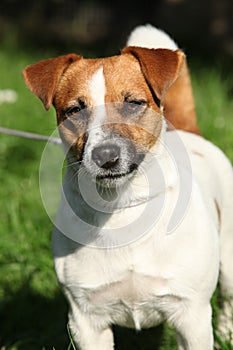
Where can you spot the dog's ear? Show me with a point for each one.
(160, 67)
(166, 73)
(43, 77)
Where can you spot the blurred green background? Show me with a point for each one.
(33, 312)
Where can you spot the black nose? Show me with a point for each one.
(106, 156)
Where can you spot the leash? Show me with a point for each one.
(30, 135)
(10, 96)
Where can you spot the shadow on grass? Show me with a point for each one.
(30, 321)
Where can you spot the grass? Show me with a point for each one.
(33, 312)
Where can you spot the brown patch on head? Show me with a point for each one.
(135, 82)
(130, 108)
(130, 104)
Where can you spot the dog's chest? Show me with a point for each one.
(126, 286)
(130, 301)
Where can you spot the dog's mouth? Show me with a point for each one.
(115, 177)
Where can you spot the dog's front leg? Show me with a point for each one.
(88, 335)
(194, 328)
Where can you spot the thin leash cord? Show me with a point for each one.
(30, 135)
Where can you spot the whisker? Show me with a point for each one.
(69, 165)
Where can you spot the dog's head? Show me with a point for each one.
(108, 110)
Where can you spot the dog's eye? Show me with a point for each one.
(135, 103)
(77, 111)
(133, 106)
(73, 111)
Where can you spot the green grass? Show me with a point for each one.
(33, 312)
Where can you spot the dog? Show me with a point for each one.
(145, 218)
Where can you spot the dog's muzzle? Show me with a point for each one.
(111, 159)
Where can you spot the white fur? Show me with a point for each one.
(159, 276)
(96, 87)
(151, 38)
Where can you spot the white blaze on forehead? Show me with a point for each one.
(96, 89)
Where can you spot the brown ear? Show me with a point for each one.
(167, 75)
(160, 67)
(43, 77)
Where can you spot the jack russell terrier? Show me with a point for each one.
(145, 220)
